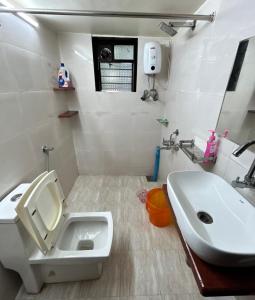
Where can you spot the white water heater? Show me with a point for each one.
(152, 58)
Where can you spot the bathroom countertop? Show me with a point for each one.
(218, 281)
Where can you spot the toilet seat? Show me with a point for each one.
(58, 255)
(41, 210)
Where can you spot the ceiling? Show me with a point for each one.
(113, 26)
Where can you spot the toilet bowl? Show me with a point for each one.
(45, 245)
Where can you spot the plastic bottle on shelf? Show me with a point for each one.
(61, 81)
(211, 146)
(63, 74)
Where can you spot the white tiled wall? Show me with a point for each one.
(200, 67)
(115, 133)
(28, 114)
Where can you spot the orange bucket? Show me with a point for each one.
(158, 208)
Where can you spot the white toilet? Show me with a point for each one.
(44, 245)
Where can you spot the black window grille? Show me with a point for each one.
(115, 63)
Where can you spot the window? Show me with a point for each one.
(115, 63)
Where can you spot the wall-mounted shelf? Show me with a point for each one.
(64, 89)
(193, 152)
(68, 114)
(163, 121)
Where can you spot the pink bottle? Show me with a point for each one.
(211, 146)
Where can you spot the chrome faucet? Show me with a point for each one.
(170, 144)
(249, 179)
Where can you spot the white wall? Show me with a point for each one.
(201, 64)
(28, 114)
(116, 133)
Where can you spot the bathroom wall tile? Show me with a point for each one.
(58, 102)
(42, 135)
(234, 170)
(144, 122)
(216, 47)
(17, 160)
(110, 120)
(8, 82)
(144, 140)
(17, 32)
(10, 110)
(245, 160)
(90, 162)
(88, 122)
(116, 122)
(26, 66)
(117, 162)
(226, 147)
(221, 166)
(67, 173)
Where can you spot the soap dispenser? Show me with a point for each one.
(210, 150)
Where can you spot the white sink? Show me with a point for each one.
(230, 239)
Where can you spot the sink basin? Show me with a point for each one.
(215, 220)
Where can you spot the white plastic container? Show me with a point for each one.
(63, 73)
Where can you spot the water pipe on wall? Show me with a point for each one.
(46, 150)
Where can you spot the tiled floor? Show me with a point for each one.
(146, 262)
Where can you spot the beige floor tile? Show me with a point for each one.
(155, 297)
(139, 274)
(174, 278)
(133, 211)
(135, 182)
(121, 239)
(85, 200)
(99, 298)
(57, 291)
(112, 181)
(165, 238)
(179, 297)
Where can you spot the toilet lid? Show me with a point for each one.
(41, 210)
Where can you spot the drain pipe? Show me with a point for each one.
(154, 176)
(46, 150)
(156, 164)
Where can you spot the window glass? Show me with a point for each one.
(123, 51)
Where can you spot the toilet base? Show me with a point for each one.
(77, 272)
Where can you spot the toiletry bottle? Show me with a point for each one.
(61, 81)
(64, 74)
(211, 146)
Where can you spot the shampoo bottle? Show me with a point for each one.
(211, 146)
